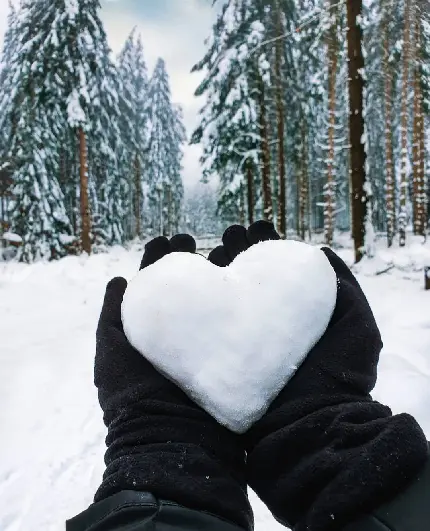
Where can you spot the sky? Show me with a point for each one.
(172, 29)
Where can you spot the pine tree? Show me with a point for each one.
(420, 58)
(278, 14)
(233, 129)
(37, 210)
(244, 69)
(81, 85)
(330, 187)
(166, 136)
(134, 127)
(9, 47)
(404, 123)
(310, 59)
(425, 88)
(388, 70)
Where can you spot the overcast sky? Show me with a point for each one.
(172, 29)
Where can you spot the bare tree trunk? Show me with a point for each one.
(85, 206)
(404, 125)
(242, 206)
(280, 111)
(265, 157)
(424, 201)
(303, 185)
(390, 183)
(161, 211)
(169, 212)
(417, 154)
(250, 192)
(137, 197)
(356, 122)
(330, 187)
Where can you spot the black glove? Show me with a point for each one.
(325, 452)
(158, 439)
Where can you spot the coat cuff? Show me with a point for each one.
(142, 511)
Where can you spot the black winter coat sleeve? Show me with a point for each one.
(141, 511)
(409, 511)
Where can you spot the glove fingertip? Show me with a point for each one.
(218, 257)
(184, 243)
(154, 251)
(117, 284)
(261, 231)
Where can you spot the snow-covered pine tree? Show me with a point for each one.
(279, 19)
(233, 128)
(134, 127)
(10, 43)
(404, 176)
(388, 34)
(90, 87)
(420, 73)
(326, 99)
(9, 47)
(74, 85)
(333, 67)
(378, 140)
(310, 60)
(425, 88)
(37, 211)
(175, 196)
(166, 137)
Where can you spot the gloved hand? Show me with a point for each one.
(325, 452)
(158, 439)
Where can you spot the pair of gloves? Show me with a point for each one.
(324, 453)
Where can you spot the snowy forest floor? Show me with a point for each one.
(52, 435)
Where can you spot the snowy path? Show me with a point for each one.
(51, 439)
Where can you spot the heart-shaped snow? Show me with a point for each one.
(232, 337)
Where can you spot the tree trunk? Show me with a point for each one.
(356, 123)
(404, 125)
(242, 206)
(161, 211)
(85, 206)
(280, 111)
(390, 183)
(304, 186)
(137, 197)
(265, 157)
(417, 153)
(250, 192)
(169, 212)
(330, 187)
(424, 202)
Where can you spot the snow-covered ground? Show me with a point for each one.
(51, 430)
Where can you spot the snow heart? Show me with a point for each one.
(232, 337)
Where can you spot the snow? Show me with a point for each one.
(12, 237)
(76, 115)
(67, 239)
(241, 318)
(52, 435)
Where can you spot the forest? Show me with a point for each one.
(316, 116)
(90, 147)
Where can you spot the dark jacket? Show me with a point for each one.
(140, 511)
